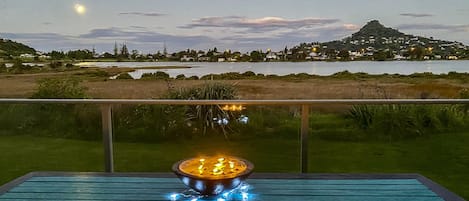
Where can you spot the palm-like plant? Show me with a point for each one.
(207, 115)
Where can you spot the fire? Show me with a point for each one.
(233, 108)
(213, 167)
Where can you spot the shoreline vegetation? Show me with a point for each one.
(114, 71)
(304, 76)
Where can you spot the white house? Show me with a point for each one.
(399, 57)
(27, 56)
(453, 58)
(186, 58)
(202, 59)
(271, 56)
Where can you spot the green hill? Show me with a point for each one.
(9, 47)
(376, 29)
(377, 36)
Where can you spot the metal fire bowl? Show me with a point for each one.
(212, 186)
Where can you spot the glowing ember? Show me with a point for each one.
(213, 167)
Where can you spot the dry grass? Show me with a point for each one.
(16, 86)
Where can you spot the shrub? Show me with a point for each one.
(55, 64)
(363, 115)
(3, 68)
(249, 74)
(194, 77)
(150, 123)
(406, 121)
(69, 65)
(58, 120)
(61, 88)
(159, 75)
(180, 77)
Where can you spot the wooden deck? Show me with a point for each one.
(270, 187)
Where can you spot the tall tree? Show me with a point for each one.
(116, 50)
(125, 51)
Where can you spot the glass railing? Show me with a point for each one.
(426, 136)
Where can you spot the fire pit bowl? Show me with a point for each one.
(213, 175)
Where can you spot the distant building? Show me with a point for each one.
(221, 59)
(44, 57)
(271, 56)
(453, 58)
(203, 59)
(27, 56)
(186, 58)
(399, 57)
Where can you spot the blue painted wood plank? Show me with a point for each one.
(103, 179)
(342, 198)
(71, 196)
(253, 197)
(259, 186)
(104, 185)
(141, 188)
(257, 190)
(338, 181)
(270, 181)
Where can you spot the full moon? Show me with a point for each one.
(80, 9)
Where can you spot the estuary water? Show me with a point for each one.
(285, 68)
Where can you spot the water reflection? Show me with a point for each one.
(284, 68)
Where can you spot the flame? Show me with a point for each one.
(213, 167)
(233, 108)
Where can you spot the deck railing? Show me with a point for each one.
(107, 105)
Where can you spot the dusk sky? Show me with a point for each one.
(226, 24)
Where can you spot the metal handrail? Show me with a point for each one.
(237, 102)
(106, 113)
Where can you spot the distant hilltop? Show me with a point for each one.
(376, 35)
(11, 48)
(382, 43)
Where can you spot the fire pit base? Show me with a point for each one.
(240, 193)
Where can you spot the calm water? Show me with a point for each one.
(284, 68)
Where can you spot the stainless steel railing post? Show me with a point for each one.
(304, 138)
(106, 116)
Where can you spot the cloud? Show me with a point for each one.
(416, 15)
(34, 36)
(104, 39)
(253, 34)
(47, 23)
(142, 36)
(444, 27)
(143, 14)
(258, 24)
(290, 37)
(47, 41)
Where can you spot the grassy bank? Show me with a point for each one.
(443, 158)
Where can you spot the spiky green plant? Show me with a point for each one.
(206, 115)
(404, 121)
(363, 115)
